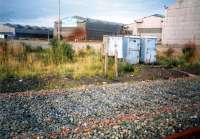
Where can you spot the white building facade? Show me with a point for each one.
(148, 26)
(182, 23)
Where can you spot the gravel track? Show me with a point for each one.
(151, 109)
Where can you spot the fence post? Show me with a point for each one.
(116, 62)
(106, 61)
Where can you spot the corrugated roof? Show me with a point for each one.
(159, 15)
(155, 15)
(17, 26)
(83, 19)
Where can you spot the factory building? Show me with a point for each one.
(12, 31)
(80, 28)
(147, 26)
(182, 23)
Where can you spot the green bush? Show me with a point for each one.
(54, 43)
(125, 67)
(88, 47)
(195, 68)
(6, 72)
(171, 62)
(61, 52)
(190, 52)
(3, 71)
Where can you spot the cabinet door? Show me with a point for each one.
(134, 44)
(133, 57)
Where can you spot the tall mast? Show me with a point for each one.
(59, 20)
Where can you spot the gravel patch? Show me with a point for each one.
(150, 109)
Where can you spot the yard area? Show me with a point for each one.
(58, 92)
(60, 66)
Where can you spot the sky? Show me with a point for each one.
(45, 12)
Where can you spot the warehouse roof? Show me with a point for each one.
(83, 19)
(17, 26)
(155, 15)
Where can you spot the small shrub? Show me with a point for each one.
(61, 52)
(125, 67)
(125, 123)
(54, 42)
(195, 68)
(171, 62)
(190, 52)
(88, 47)
(67, 51)
(111, 61)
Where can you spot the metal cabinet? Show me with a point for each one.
(148, 50)
(132, 49)
(112, 43)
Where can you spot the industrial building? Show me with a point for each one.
(147, 26)
(80, 28)
(13, 31)
(182, 23)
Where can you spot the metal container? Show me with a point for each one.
(132, 49)
(112, 43)
(148, 51)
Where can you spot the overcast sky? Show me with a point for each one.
(44, 12)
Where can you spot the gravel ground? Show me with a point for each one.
(151, 109)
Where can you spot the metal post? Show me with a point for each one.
(106, 61)
(116, 62)
(59, 20)
(48, 34)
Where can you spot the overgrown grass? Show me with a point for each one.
(189, 60)
(170, 62)
(23, 61)
(59, 60)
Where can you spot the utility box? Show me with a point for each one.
(148, 51)
(132, 49)
(112, 43)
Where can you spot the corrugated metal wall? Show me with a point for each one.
(96, 30)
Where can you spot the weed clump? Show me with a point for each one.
(190, 53)
(61, 52)
(125, 67)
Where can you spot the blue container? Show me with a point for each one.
(131, 46)
(148, 51)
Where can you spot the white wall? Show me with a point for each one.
(4, 28)
(182, 23)
(151, 22)
(147, 22)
